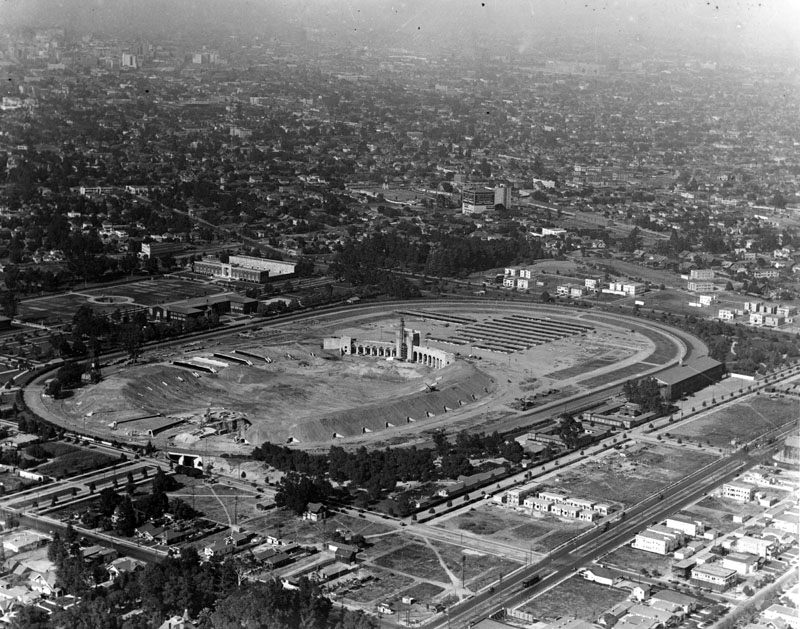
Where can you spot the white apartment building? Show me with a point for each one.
(713, 576)
(700, 286)
(687, 526)
(701, 274)
(743, 492)
(755, 546)
(658, 539)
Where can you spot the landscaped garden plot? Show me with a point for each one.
(383, 584)
(743, 421)
(415, 559)
(480, 569)
(633, 560)
(575, 597)
(627, 477)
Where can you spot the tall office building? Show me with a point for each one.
(502, 195)
(129, 60)
(476, 199)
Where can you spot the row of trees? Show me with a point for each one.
(378, 471)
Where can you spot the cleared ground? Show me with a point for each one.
(574, 597)
(624, 477)
(537, 532)
(743, 421)
(633, 561)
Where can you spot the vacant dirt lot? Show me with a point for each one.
(744, 420)
(624, 477)
(574, 597)
(538, 532)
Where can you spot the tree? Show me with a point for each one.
(269, 605)
(124, 518)
(131, 338)
(545, 297)
(31, 617)
(295, 491)
(357, 619)
(9, 303)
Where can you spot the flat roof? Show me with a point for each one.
(714, 569)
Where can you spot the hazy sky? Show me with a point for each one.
(744, 25)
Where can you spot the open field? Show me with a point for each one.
(743, 420)
(625, 477)
(71, 460)
(480, 569)
(574, 597)
(629, 269)
(217, 502)
(709, 513)
(158, 291)
(538, 532)
(633, 561)
(415, 559)
(729, 506)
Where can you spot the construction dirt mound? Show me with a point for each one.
(445, 391)
(302, 400)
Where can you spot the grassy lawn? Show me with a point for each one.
(634, 560)
(575, 597)
(56, 449)
(414, 559)
(744, 420)
(75, 462)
